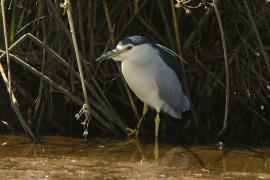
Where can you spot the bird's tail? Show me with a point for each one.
(186, 104)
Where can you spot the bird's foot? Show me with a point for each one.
(132, 132)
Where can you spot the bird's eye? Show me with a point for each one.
(129, 47)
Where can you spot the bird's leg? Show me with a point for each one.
(156, 151)
(157, 121)
(145, 110)
(136, 130)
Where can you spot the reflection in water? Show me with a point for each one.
(67, 158)
(156, 151)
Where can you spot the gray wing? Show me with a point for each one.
(169, 84)
(170, 90)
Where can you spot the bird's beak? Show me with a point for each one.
(110, 54)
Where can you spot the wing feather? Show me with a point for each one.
(171, 52)
(169, 83)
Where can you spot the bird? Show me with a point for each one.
(151, 73)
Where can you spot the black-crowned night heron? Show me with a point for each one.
(150, 71)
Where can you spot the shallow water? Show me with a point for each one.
(69, 158)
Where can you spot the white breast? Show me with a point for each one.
(140, 79)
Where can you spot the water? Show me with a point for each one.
(69, 158)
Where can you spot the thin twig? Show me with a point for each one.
(108, 19)
(265, 56)
(16, 108)
(178, 45)
(196, 31)
(6, 45)
(165, 21)
(226, 62)
(68, 8)
(7, 80)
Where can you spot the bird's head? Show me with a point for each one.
(127, 49)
